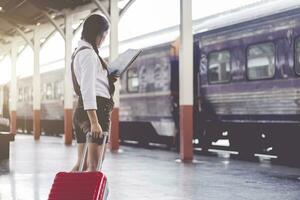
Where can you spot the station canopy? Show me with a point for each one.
(19, 18)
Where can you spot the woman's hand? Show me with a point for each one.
(114, 78)
(96, 130)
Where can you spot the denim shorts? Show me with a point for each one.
(81, 122)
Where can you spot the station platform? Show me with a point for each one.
(145, 174)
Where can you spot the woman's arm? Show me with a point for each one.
(89, 64)
(88, 68)
(95, 126)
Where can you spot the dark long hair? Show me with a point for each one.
(93, 26)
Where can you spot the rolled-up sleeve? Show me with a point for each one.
(88, 67)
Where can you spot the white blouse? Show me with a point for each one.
(90, 75)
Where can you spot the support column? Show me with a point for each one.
(13, 89)
(68, 98)
(36, 86)
(186, 81)
(114, 51)
(1, 102)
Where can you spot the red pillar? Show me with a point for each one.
(186, 132)
(68, 126)
(13, 122)
(114, 136)
(36, 124)
(186, 86)
(114, 51)
(68, 91)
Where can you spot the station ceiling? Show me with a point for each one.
(24, 15)
(29, 11)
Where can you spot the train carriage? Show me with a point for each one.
(4, 108)
(52, 95)
(249, 84)
(149, 97)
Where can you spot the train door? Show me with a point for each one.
(5, 109)
(284, 57)
(1, 101)
(196, 80)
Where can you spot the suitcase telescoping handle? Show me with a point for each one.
(88, 136)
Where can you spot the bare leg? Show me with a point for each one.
(80, 148)
(94, 152)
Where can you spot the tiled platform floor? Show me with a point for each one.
(142, 174)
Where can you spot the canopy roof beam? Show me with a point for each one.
(48, 38)
(21, 33)
(102, 9)
(126, 7)
(55, 24)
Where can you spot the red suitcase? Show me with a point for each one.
(81, 185)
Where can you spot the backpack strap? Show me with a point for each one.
(75, 82)
(110, 80)
(104, 65)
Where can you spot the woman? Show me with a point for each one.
(94, 89)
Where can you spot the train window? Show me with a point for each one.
(132, 80)
(49, 91)
(297, 55)
(26, 94)
(261, 61)
(58, 90)
(219, 67)
(21, 94)
(31, 93)
(44, 91)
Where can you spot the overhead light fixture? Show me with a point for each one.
(74, 26)
(42, 40)
(53, 16)
(38, 23)
(1, 8)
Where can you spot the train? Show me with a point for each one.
(4, 108)
(149, 97)
(51, 103)
(249, 84)
(246, 88)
